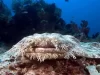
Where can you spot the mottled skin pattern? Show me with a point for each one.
(40, 47)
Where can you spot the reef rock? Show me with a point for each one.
(50, 54)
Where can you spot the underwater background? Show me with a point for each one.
(77, 10)
(20, 18)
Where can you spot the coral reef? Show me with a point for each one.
(81, 32)
(37, 16)
(31, 17)
(84, 27)
(72, 28)
(96, 37)
(50, 54)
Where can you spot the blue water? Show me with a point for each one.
(77, 10)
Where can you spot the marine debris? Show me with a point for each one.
(50, 54)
